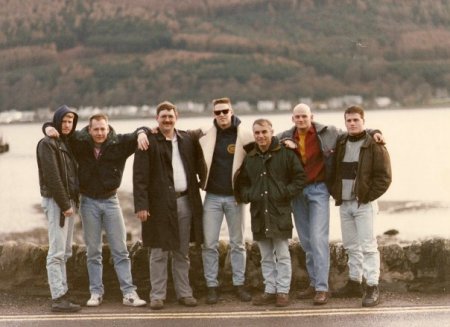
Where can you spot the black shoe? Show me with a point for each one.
(188, 301)
(242, 293)
(351, 289)
(371, 297)
(213, 295)
(62, 304)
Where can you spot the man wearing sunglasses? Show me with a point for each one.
(223, 153)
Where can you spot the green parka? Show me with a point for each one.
(269, 181)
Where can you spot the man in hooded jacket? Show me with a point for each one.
(101, 155)
(58, 181)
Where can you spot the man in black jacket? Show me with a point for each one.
(59, 190)
(101, 155)
(167, 201)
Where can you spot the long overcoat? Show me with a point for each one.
(153, 189)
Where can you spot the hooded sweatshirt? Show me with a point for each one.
(220, 177)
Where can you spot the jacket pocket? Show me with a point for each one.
(256, 223)
(284, 221)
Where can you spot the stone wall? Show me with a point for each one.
(419, 266)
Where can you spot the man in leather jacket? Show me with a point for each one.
(361, 174)
(59, 190)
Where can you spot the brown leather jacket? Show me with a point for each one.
(374, 171)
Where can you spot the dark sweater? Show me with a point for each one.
(220, 177)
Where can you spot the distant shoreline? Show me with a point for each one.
(238, 113)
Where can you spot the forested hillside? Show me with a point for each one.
(112, 52)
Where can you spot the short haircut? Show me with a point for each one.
(262, 122)
(221, 100)
(354, 110)
(166, 105)
(99, 116)
(303, 106)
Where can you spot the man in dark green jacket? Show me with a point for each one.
(269, 178)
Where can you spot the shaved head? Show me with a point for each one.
(304, 108)
(302, 117)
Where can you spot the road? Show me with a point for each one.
(409, 310)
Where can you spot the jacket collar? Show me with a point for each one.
(111, 138)
(161, 137)
(253, 150)
(235, 122)
(367, 140)
(320, 128)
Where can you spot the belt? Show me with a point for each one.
(180, 194)
(105, 195)
(315, 182)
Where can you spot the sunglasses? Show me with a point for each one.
(223, 111)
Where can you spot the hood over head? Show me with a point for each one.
(58, 117)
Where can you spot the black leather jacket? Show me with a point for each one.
(58, 177)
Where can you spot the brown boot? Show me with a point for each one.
(308, 293)
(321, 298)
(264, 299)
(282, 300)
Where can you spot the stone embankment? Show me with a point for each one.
(418, 266)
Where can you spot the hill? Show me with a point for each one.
(112, 52)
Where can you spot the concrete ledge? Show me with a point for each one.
(419, 266)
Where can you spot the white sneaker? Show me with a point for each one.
(95, 300)
(133, 300)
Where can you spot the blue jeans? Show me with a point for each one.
(59, 247)
(359, 241)
(312, 221)
(214, 208)
(96, 215)
(275, 265)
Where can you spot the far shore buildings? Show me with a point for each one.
(199, 108)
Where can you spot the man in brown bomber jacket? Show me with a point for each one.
(362, 174)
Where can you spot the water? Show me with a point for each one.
(415, 140)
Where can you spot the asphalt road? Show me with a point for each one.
(396, 309)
